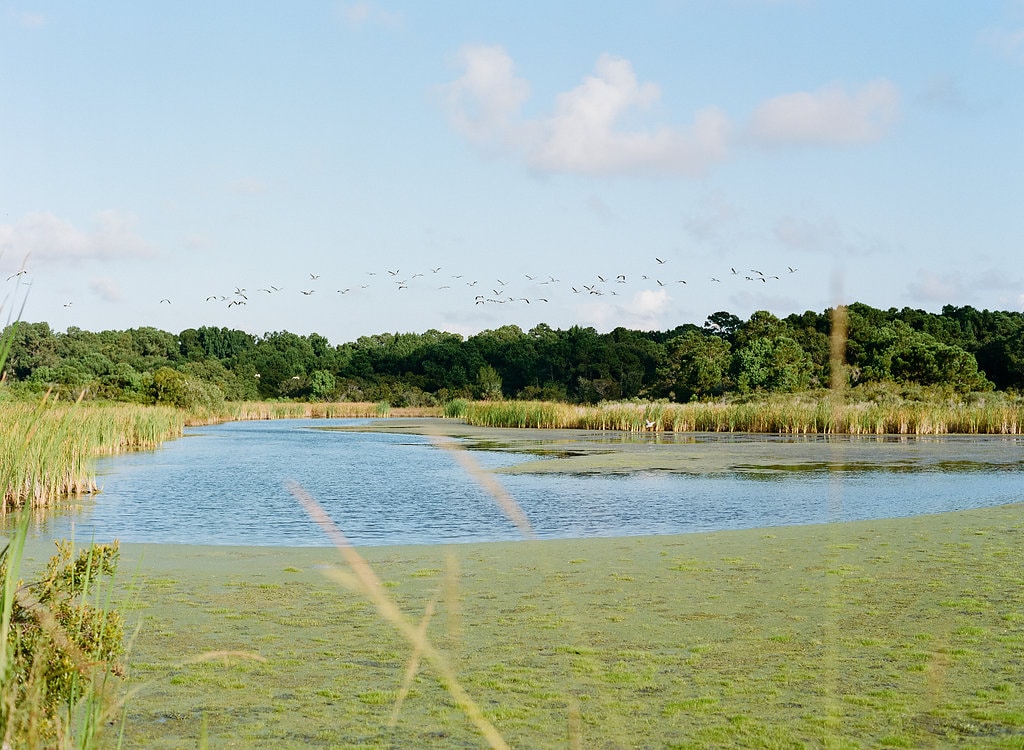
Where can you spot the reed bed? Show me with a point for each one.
(796, 416)
(259, 410)
(46, 449)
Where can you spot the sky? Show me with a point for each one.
(355, 168)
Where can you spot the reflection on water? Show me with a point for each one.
(225, 484)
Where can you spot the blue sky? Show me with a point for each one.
(436, 165)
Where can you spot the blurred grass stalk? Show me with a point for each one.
(361, 579)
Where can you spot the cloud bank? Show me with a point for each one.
(589, 129)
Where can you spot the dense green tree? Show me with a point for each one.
(178, 389)
(963, 349)
(209, 342)
(723, 324)
(772, 364)
(32, 345)
(696, 365)
(511, 353)
(895, 351)
(323, 385)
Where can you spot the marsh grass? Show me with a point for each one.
(46, 448)
(259, 410)
(798, 415)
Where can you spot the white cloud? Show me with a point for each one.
(801, 234)
(597, 204)
(106, 289)
(829, 116)
(484, 102)
(46, 237)
(943, 92)
(30, 19)
(361, 14)
(933, 287)
(591, 129)
(981, 288)
(824, 236)
(582, 134)
(644, 311)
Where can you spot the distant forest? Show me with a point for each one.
(958, 351)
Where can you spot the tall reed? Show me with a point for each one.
(795, 415)
(46, 449)
(249, 410)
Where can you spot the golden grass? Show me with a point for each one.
(249, 410)
(793, 415)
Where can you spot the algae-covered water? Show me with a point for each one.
(887, 633)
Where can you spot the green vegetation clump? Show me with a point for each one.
(456, 408)
(61, 643)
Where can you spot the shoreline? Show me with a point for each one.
(39, 548)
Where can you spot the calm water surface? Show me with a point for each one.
(226, 484)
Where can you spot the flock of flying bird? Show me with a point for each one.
(500, 291)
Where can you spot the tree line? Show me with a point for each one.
(960, 350)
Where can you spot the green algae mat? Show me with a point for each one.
(895, 633)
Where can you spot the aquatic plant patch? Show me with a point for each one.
(901, 632)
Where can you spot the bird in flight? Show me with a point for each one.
(307, 293)
(659, 260)
(166, 300)
(314, 276)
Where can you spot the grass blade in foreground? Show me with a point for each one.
(364, 581)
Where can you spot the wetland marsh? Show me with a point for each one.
(880, 631)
